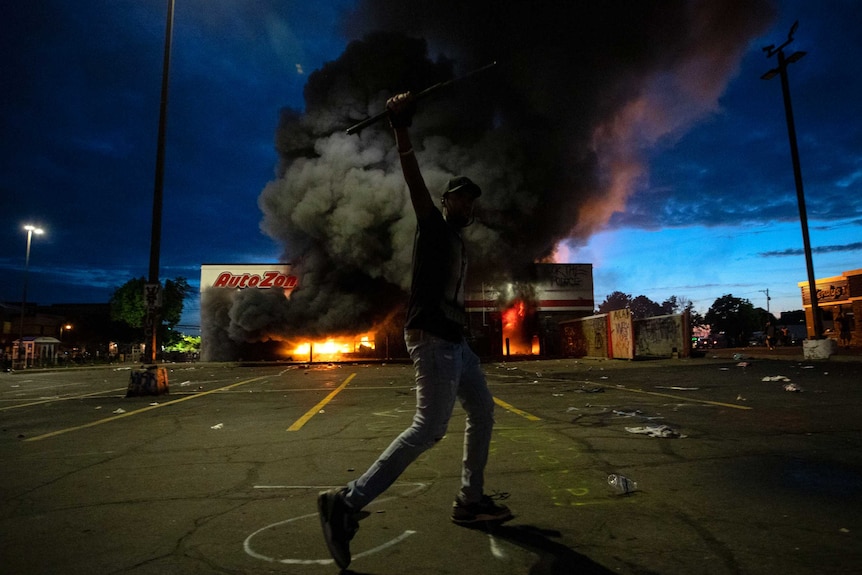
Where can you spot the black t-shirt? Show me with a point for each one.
(439, 270)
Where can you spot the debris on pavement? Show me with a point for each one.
(635, 413)
(775, 378)
(655, 431)
(792, 387)
(218, 426)
(621, 484)
(589, 390)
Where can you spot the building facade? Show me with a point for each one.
(840, 300)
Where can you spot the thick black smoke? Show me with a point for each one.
(554, 134)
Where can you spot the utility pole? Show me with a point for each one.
(766, 291)
(781, 70)
(152, 294)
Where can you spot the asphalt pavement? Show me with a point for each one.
(745, 462)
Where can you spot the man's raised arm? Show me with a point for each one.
(401, 108)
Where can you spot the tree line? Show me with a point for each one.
(735, 317)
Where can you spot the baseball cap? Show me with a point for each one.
(463, 183)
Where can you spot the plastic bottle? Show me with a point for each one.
(622, 485)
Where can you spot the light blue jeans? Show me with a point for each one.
(444, 371)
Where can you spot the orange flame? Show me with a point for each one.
(515, 339)
(332, 348)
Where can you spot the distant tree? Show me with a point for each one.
(674, 304)
(642, 307)
(186, 344)
(614, 301)
(696, 319)
(735, 317)
(682, 304)
(128, 305)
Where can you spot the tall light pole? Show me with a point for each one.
(152, 294)
(30, 229)
(781, 70)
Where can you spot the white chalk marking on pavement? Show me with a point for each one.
(497, 550)
(293, 561)
(417, 486)
(297, 425)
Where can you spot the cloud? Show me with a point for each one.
(854, 247)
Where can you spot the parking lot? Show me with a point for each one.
(742, 466)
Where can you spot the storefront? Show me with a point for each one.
(840, 301)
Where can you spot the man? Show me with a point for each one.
(446, 368)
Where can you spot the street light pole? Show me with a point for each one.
(153, 287)
(781, 70)
(31, 229)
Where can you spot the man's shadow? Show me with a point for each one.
(554, 558)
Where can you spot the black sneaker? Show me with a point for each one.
(339, 524)
(483, 510)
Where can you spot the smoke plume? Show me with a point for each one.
(555, 135)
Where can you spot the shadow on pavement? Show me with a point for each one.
(554, 557)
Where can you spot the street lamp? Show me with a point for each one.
(781, 70)
(30, 229)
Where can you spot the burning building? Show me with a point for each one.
(241, 305)
(556, 134)
(514, 318)
(521, 318)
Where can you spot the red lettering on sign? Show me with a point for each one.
(269, 279)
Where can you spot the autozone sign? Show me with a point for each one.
(243, 276)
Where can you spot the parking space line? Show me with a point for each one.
(142, 410)
(515, 410)
(53, 399)
(297, 425)
(691, 399)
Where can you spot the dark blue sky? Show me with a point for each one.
(710, 210)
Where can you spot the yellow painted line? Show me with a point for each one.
(137, 411)
(53, 399)
(680, 397)
(297, 425)
(515, 410)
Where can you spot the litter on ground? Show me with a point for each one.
(655, 431)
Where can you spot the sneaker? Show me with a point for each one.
(483, 510)
(339, 524)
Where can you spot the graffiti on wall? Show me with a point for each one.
(622, 336)
(659, 336)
